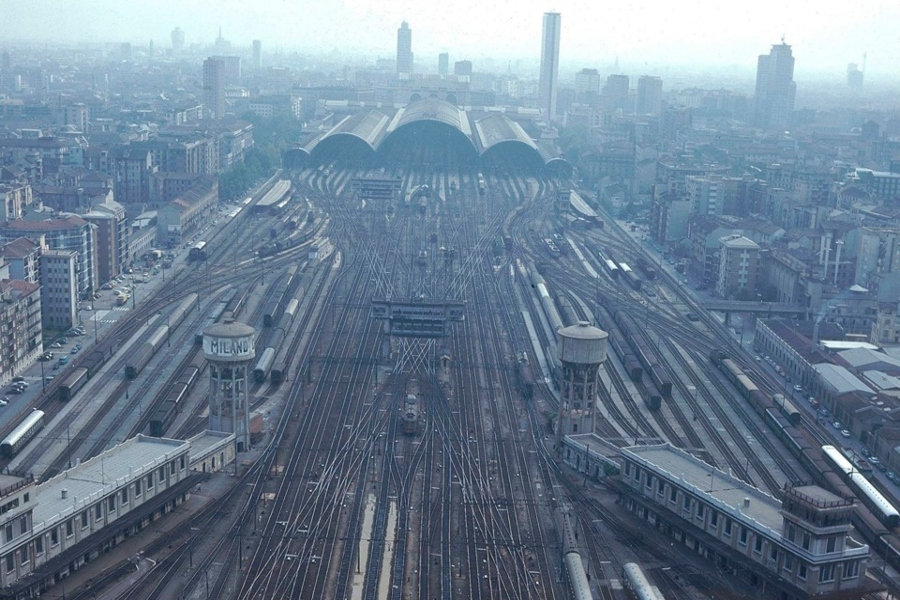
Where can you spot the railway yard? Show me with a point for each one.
(385, 467)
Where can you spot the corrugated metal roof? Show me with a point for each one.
(841, 380)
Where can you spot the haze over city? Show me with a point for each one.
(395, 301)
(691, 35)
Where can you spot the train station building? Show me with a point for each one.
(50, 529)
(796, 547)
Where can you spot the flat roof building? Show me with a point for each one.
(796, 547)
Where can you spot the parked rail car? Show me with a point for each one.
(609, 265)
(646, 268)
(296, 238)
(566, 310)
(93, 362)
(525, 375)
(189, 376)
(214, 316)
(198, 251)
(644, 353)
(410, 416)
(550, 311)
(22, 434)
(140, 359)
(236, 304)
(630, 277)
(621, 348)
(636, 583)
(165, 415)
(263, 365)
(871, 497)
(276, 291)
(72, 383)
(759, 400)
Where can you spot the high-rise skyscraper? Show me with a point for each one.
(257, 55)
(404, 49)
(775, 88)
(615, 93)
(177, 39)
(214, 87)
(443, 63)
(550, 64)
(649, 95)
(854, 76)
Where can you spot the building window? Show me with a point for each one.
(98, 510)
(172, 468)
(112, 504)
(84, 519)
(23, 524)
(826, 574)
(743, 536)
(700, 511)
(660, 487)
(627, 469)
(124, 496)
(23, 556)
(805, 540)
(137, 488)
(830, 544)
(70, 528)
(773, 554)
(713, 519)
(851, 569)
(757, 544)
(9, 532)
(162, 473)
(673, 495)
(150, 481)
(727, 526)
(788, 561)
(39, 545)
(181, 462)
(649, 483)
(687, 502)
(54, 537)
(801, 571)
(10, 562)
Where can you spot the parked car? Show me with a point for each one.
(845, 433)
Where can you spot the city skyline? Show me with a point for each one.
(823, 37)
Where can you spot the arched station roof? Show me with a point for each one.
(366, 127)
(433, 110)
(487, 134)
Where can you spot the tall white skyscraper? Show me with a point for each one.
(550, 64)
(404, 49)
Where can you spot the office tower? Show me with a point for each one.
(404, 49)
(177, 39)
(775, 88)
(462, 67)
(587, 81)
(649, 95)
(257, 55)
(214, 87)
(616, 92)
(550, 64)
(443, 63)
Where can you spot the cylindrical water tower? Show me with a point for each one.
(581, 349)
(229, 349)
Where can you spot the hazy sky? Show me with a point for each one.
(825, 34)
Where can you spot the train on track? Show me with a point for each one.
(87, 368)
(409, 418)
(158, 337)
(636, 583)
(645, 353)
(22, 434)
(630, 277)
(871, 497)
(759, 400)
(579, 584)
(296, 238)
(525, 376)
(877, 529)
(199, 251)
(176, 395)
(272, 359)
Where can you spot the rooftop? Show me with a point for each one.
(722, 489)
(101, 475)
(841, 380)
